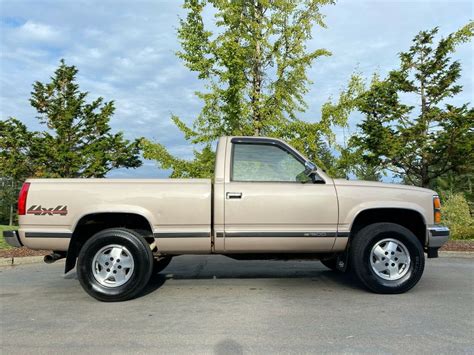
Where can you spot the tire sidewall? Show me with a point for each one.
(142, 257)
(372, 236)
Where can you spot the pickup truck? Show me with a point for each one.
(266, 201)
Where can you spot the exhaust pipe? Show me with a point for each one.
(51, 258)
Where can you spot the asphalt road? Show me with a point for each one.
(203, 304)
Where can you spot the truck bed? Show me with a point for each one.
(173, 207)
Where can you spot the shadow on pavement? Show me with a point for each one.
(280, 271)
(326, 277)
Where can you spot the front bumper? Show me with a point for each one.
(437, 236)
(12, 238)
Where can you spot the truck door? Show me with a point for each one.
(269, 207)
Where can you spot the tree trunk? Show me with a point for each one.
(257, 74)
(425, 180)
(10, 221)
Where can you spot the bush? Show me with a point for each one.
(456, 215)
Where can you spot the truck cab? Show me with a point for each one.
(266, 200)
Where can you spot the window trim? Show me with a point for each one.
(263, 141)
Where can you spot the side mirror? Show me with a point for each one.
(309, 168)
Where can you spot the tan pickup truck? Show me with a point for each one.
(267, 201)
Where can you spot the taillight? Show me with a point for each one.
(437, 209)
(22, 199)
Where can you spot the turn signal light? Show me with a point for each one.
(437, 209)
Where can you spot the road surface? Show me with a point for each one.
(212, 304)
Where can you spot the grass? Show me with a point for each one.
(3, 243)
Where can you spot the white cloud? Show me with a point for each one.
(125, 51)
(35, 31)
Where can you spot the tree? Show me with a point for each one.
(17, 151)
(18, 147)
(255, 66)
(418, 143)
(78, 141)
(349, 161)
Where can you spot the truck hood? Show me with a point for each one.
(376, 184)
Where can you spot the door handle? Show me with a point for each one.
(233, 195)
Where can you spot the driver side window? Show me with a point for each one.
(264, 163)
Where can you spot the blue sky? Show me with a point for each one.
(124, 51)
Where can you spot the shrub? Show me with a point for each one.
(456, 215)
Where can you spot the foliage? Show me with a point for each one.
(350, 160)
(422, 145)
(9, 189)
(18, 146)
(78, 142)
(452, 183)
(456, 215)
(201, 167)
(3, 243)
(255, 67)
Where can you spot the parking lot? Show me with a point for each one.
(212, 304)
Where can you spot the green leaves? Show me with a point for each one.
(17, 148)
(201, 167)
(424, 142)
(455, 214)
(78, 141)
(255, 66)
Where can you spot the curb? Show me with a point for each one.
(20, 260)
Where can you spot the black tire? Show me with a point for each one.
(142, 259)
(330, 263)
(161, 263)
(360, 257)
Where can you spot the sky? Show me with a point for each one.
(125, 51)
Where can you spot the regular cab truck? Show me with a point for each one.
(267, 201)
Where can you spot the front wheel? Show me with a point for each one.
(387, 258)
(115, 265)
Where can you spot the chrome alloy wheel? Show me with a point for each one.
(390, 259)
(113, 265)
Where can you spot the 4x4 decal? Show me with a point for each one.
(37, 210)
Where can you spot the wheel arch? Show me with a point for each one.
(89, 224)
(409, 218)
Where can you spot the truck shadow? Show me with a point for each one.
(283, 273)
(319, 278)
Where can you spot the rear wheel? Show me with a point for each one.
(387, 258)
(115, 265)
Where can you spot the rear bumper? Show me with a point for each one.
(437, 236)
(12, 238)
